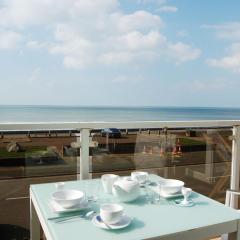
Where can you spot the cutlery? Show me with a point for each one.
(72, 216)
(100, 220)
(65, 217)
(88, 215)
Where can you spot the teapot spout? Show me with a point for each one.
(117, 188)
(118, 191)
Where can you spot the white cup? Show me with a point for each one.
(108, 181)
(139, 176)
(59, 185)
(111, 213)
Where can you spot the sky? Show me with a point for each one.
(120, 52)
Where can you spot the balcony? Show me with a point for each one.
(204, 154)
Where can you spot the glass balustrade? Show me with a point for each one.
(30, 158)
(201, 157)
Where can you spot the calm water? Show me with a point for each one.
(70, 113)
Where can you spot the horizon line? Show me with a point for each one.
(116, 106)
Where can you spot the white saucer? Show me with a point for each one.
(180, 203)
(156, 189)
(124, 222)
(57, 208)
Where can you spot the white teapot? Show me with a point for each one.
(126, 190)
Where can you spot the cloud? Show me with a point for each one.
(157, 2)
(229, 31)
(86, 33)
(136, 41)
(139, 20)
(120, 48)
(230, 62)
(120, 39)
(120, 79)
(167, 9)
(209, 85)
(37, 12)
(34, 75)
(9, 39)
(183, 52)
(33, 44)
(182, 33)
(78, 51)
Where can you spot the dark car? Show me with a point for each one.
(111, 132)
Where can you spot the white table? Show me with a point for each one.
(165, 221)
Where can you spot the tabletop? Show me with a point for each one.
(149, 220)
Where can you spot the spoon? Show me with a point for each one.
(100, 220)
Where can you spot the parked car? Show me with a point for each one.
(111, 132)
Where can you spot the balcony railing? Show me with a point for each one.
(203, 153)
(85, 127)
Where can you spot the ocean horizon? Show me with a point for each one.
(53, 113)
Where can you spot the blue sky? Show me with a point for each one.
(126, 52)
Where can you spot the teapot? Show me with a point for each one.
(126, 189)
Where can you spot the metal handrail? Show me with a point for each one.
(25, 126)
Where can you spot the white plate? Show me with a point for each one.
(124, 222)
(156, 189)
(57, 208)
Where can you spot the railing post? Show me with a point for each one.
(235, 163)
(209, 156)
(84, 154)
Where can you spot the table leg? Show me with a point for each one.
(236, 235)
(34, 223)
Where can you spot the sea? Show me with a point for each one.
(23, 113)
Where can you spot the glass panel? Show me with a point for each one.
(29, 158)
(199, 157)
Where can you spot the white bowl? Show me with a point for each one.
(68, 198)
(111, 213)
(171, 186)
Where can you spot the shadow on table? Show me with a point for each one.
(136, 223)
(202, 203)
(142, 200)
(194, 197)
